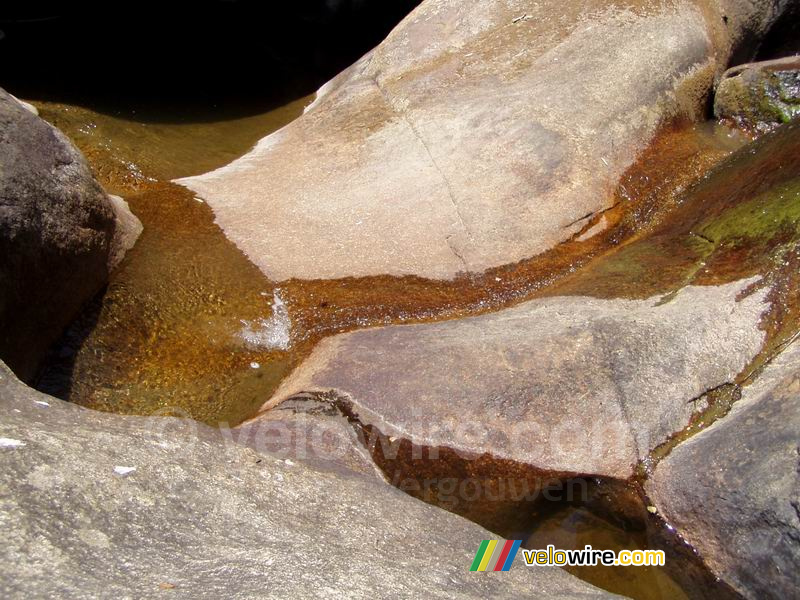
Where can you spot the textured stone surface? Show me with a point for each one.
(128, 230)
(566, 384)
(59, 234)
(199, 518)
(476, 134)
(761, 95)
(733, 491)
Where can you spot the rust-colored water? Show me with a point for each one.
(168, 335)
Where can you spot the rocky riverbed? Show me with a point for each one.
(520, 271)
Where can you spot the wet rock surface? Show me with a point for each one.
(105, 505)
(733, 491)
(574, 385)
(760, 96)
(60, 234)
(473, 136)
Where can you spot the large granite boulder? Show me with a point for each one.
(733, 491)
(94, 505)
(608, 363)
(565, 384)
(477, 134)
(60, 234)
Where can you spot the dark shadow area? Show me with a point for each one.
(55, 375)
(185, 61)
(783, 38)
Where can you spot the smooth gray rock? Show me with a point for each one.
(203, 517)
(60, 235)
(26, 105)
(733, 491)
(477, 134)
(566, 384)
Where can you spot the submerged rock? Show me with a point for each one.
(733, 491)
(475, 135)
(760, 96)
(100, 505)
(60, 235)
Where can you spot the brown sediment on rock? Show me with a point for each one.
(679, 155)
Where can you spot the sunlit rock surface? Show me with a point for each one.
(575, 385)
(475, 135)
(98, 505)
(733, 491)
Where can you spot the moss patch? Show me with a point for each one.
(762, 217)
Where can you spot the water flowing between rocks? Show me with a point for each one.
(189, 327)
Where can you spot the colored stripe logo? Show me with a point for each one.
(494, 555)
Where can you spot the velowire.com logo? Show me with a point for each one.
(494, 555)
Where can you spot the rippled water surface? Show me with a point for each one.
(187, 324)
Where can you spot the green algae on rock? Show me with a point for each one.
(760, 96)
